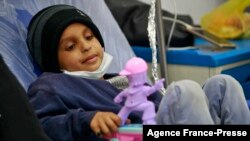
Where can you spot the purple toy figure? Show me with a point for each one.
(136, 94)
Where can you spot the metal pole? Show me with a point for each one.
(161, 42)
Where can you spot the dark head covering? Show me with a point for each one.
(45, 30)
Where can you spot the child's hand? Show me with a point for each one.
(105, 123)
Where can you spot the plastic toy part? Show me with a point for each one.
(136, 94)
(130, 132)
(134, 66)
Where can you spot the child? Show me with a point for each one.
(74, 98)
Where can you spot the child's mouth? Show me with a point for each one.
(90, 59)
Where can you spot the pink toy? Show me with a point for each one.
(136, 94)
(129, 132)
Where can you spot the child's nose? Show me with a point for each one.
(85, 47)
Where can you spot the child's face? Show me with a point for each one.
(79, 49)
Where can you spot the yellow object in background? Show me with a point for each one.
(231, 20)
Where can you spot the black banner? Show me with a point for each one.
(162, 132)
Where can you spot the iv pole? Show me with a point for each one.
(161, 42)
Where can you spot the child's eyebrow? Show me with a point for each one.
(87, 30)
(67, 38)
(64, 40)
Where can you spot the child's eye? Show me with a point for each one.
(71, 47)
(89, 37)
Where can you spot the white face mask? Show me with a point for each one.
(97, 74)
